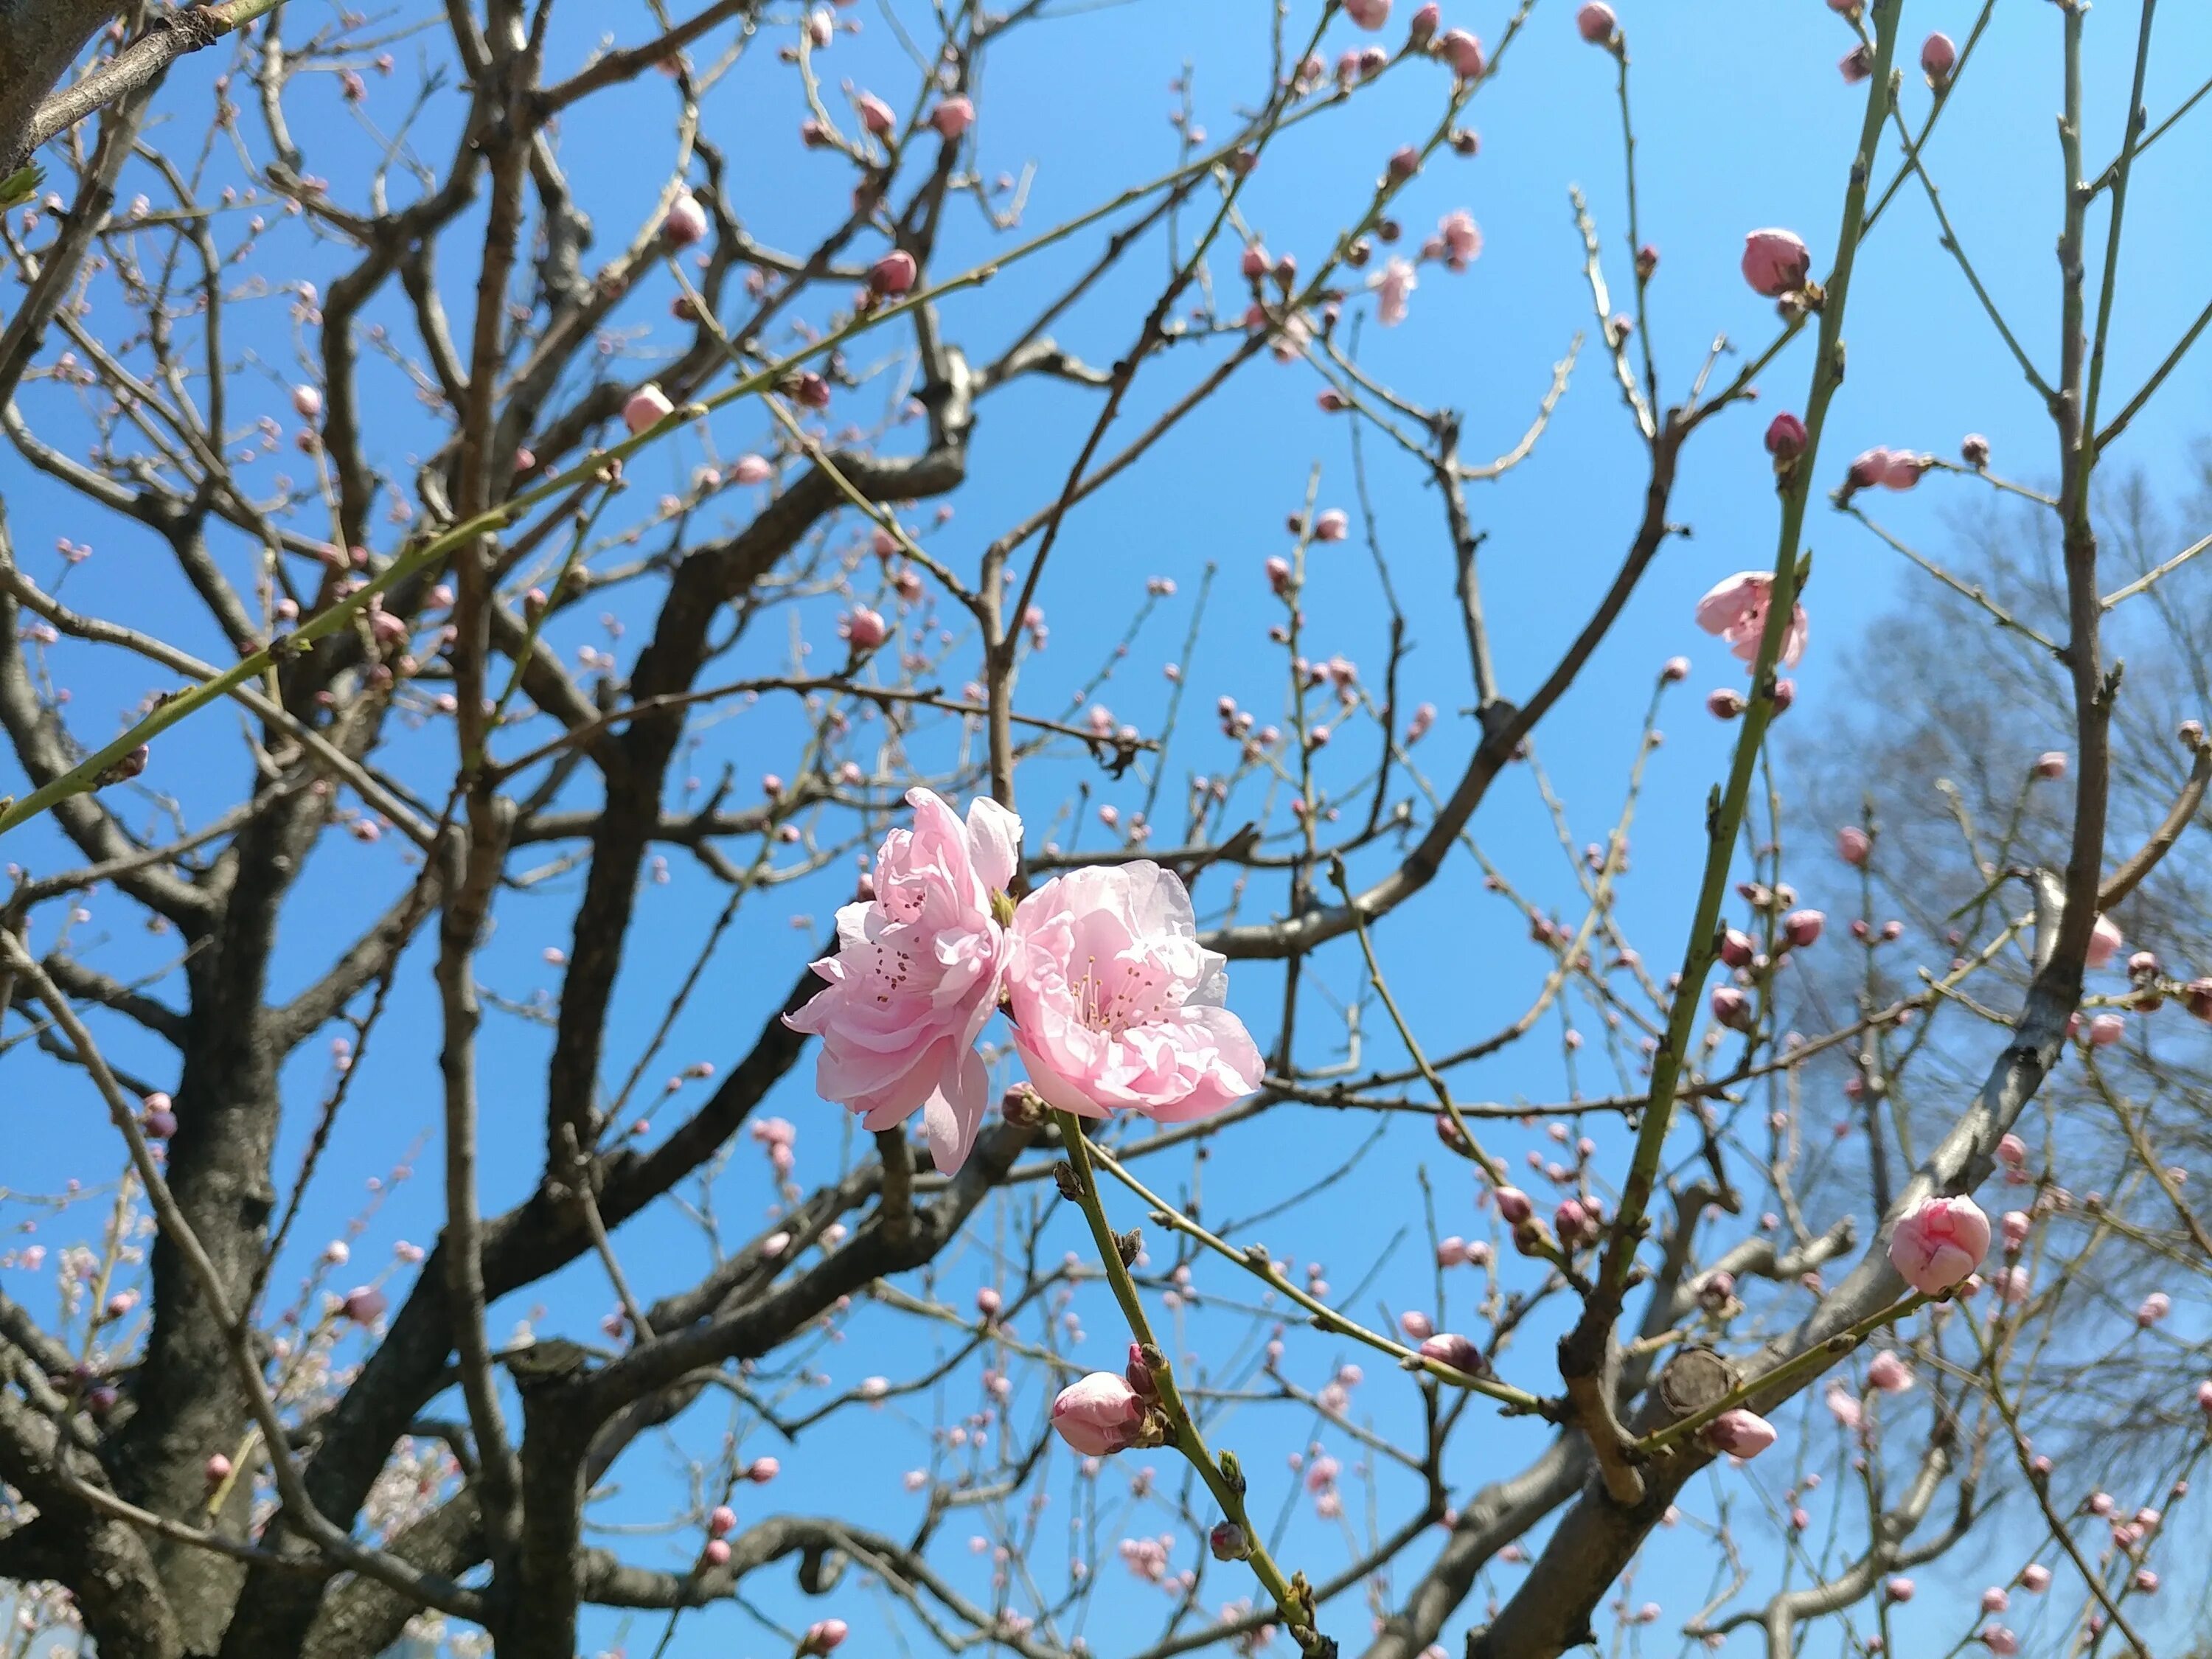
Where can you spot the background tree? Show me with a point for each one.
(487, 695)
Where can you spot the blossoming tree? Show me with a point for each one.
(387, 712)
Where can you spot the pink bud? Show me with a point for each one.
(1716, 1290)
(2012, 1151)
(1855, 64)
(1463, 51)
(876, 115)
(1368, 13)
(2051, 764)
(1736, 948)
(1740, 1433)
(1802, 927)
(1853, 844)
(1974, 449)
(365, 1305)
(1724, 703)
(1994, 1599)
(717, 1553)
(307, 402)
(2204, 1396)
(648, 407)
(1886, 1373)
(722, 1522)
(1452, 1252)
(2100, 1502)
(822, 1635)
(2104, 942)
(1731, 1008)
(2155, 1307)
(1459, 1352)
(1938, 1242)
(1098, 1414)
(952, 117)
(2000, 1641)
(1785, 437)
(1416, 1326)
(1595, 22)
(1405, 162)
(1938, 56)
(2035, 1579)
(2016, 1228)
(1513, 1205)
(687, 220)
(1279, 574)
(1332, 525)
(1776, 262)
(865, 629)
(892, 274)
(1898, 1589)
(989, 1301)
(1676, 670)
(2146, 1581)
(1423, 27)
(218, 1469)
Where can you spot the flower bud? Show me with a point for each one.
(1417, 1325)
(1731, 1008)
(1853, 844)
(1423, 27)
(1229, 1543)
(952, 117)
(1724, 703)
(364, 1305)
(1716, 1290)
(1405, 162)
(1736, 948)
(1785, 437)
(1898, 1589)
(722, 1522)
(1857, 64)
(1513, 1205)
(218, 1469)
(822, 1635)
(648, 407)
(893, 274)
(687, 220)
(1776, 262)
(1802, 927)
(865, 629)
(1595, 22)
(1886, 1373)
(1938, 1242)
(2035, 1578)
(1463, 51)
(1459, 1352)
(1738, 1433)
(1098, 1414)
(2051, 763)
(1974, 449)
(1938, 58)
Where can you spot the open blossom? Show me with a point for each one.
(916, 976)
(1939, 1242)
(1462, 237)
(1098, 1414)
(1735, 610)
(1116, 1005)
(1392, 284)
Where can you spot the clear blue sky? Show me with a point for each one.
(1742, 121)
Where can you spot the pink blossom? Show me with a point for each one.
(865, 629)
(2016, 1228)
(1776, 262)
(822, 1635)
(1938, 56)
(1392, 284)
(917, 977)
(1332, 525)
(1898, 1589)
(722, 1522)
(1735, 610)
(2104, 942)
(1463, 51)
(1803, 927)
(2155, 1307)
(1886, 1373)
(1938, 1242)
(1462, 237)
(307, 402)
(2105, 1030)
(752, 470)
(687, 220)
(876, 115)
(1595, 22)
(1994, 1599)
(1368, 13)
(1116, 1007)
(1098, 1414)
(893, 274)
(1459, 1352)
(952, 117)
(2051, 764)
(2000, 1641)
(649, 407)
(1417, 1325)
(364, 1305)
(218, 1468)
(2035, 1579)
(762, 1470)
(2012, 1151)
(1740, 1433)
(717, 1553)
(1844, 1406)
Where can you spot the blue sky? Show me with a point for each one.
(1741, 121)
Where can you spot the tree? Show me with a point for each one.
(428, 740)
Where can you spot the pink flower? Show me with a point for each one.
(1513, 1205)
(1994, 1599)
(1853, 844)
(916, 976)
(2012, 1151)
(762, 1470)
(1458, 1351)
(1116, 1007)
(952, 117)
(1898, 1589)
(1368, 13)
(722, 1522)
(2000, 1641)
(1463, 51)
(876, 115)
(717, 1553)
(1392, 284)
(2104, 942)
(1740, 1433)
(1332, 525)
(752, 470)
(892, 274)
(2105, 1030)
(2035, 1579)
(1776, 262)
(649, 407)
(1938, 1242)
(2016, 1228)
(1786, 437)
(1595, 22)
(218, 1468)
(822, 1635)
(1803, 927)
(1735, 610)
(1886, 1373)
(365, 1305)
(687, 220)
(1417, 1325)
(1098, 1414)
(1844, 1406)
(1462, 237)
(1938, 56)
(865, 629)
